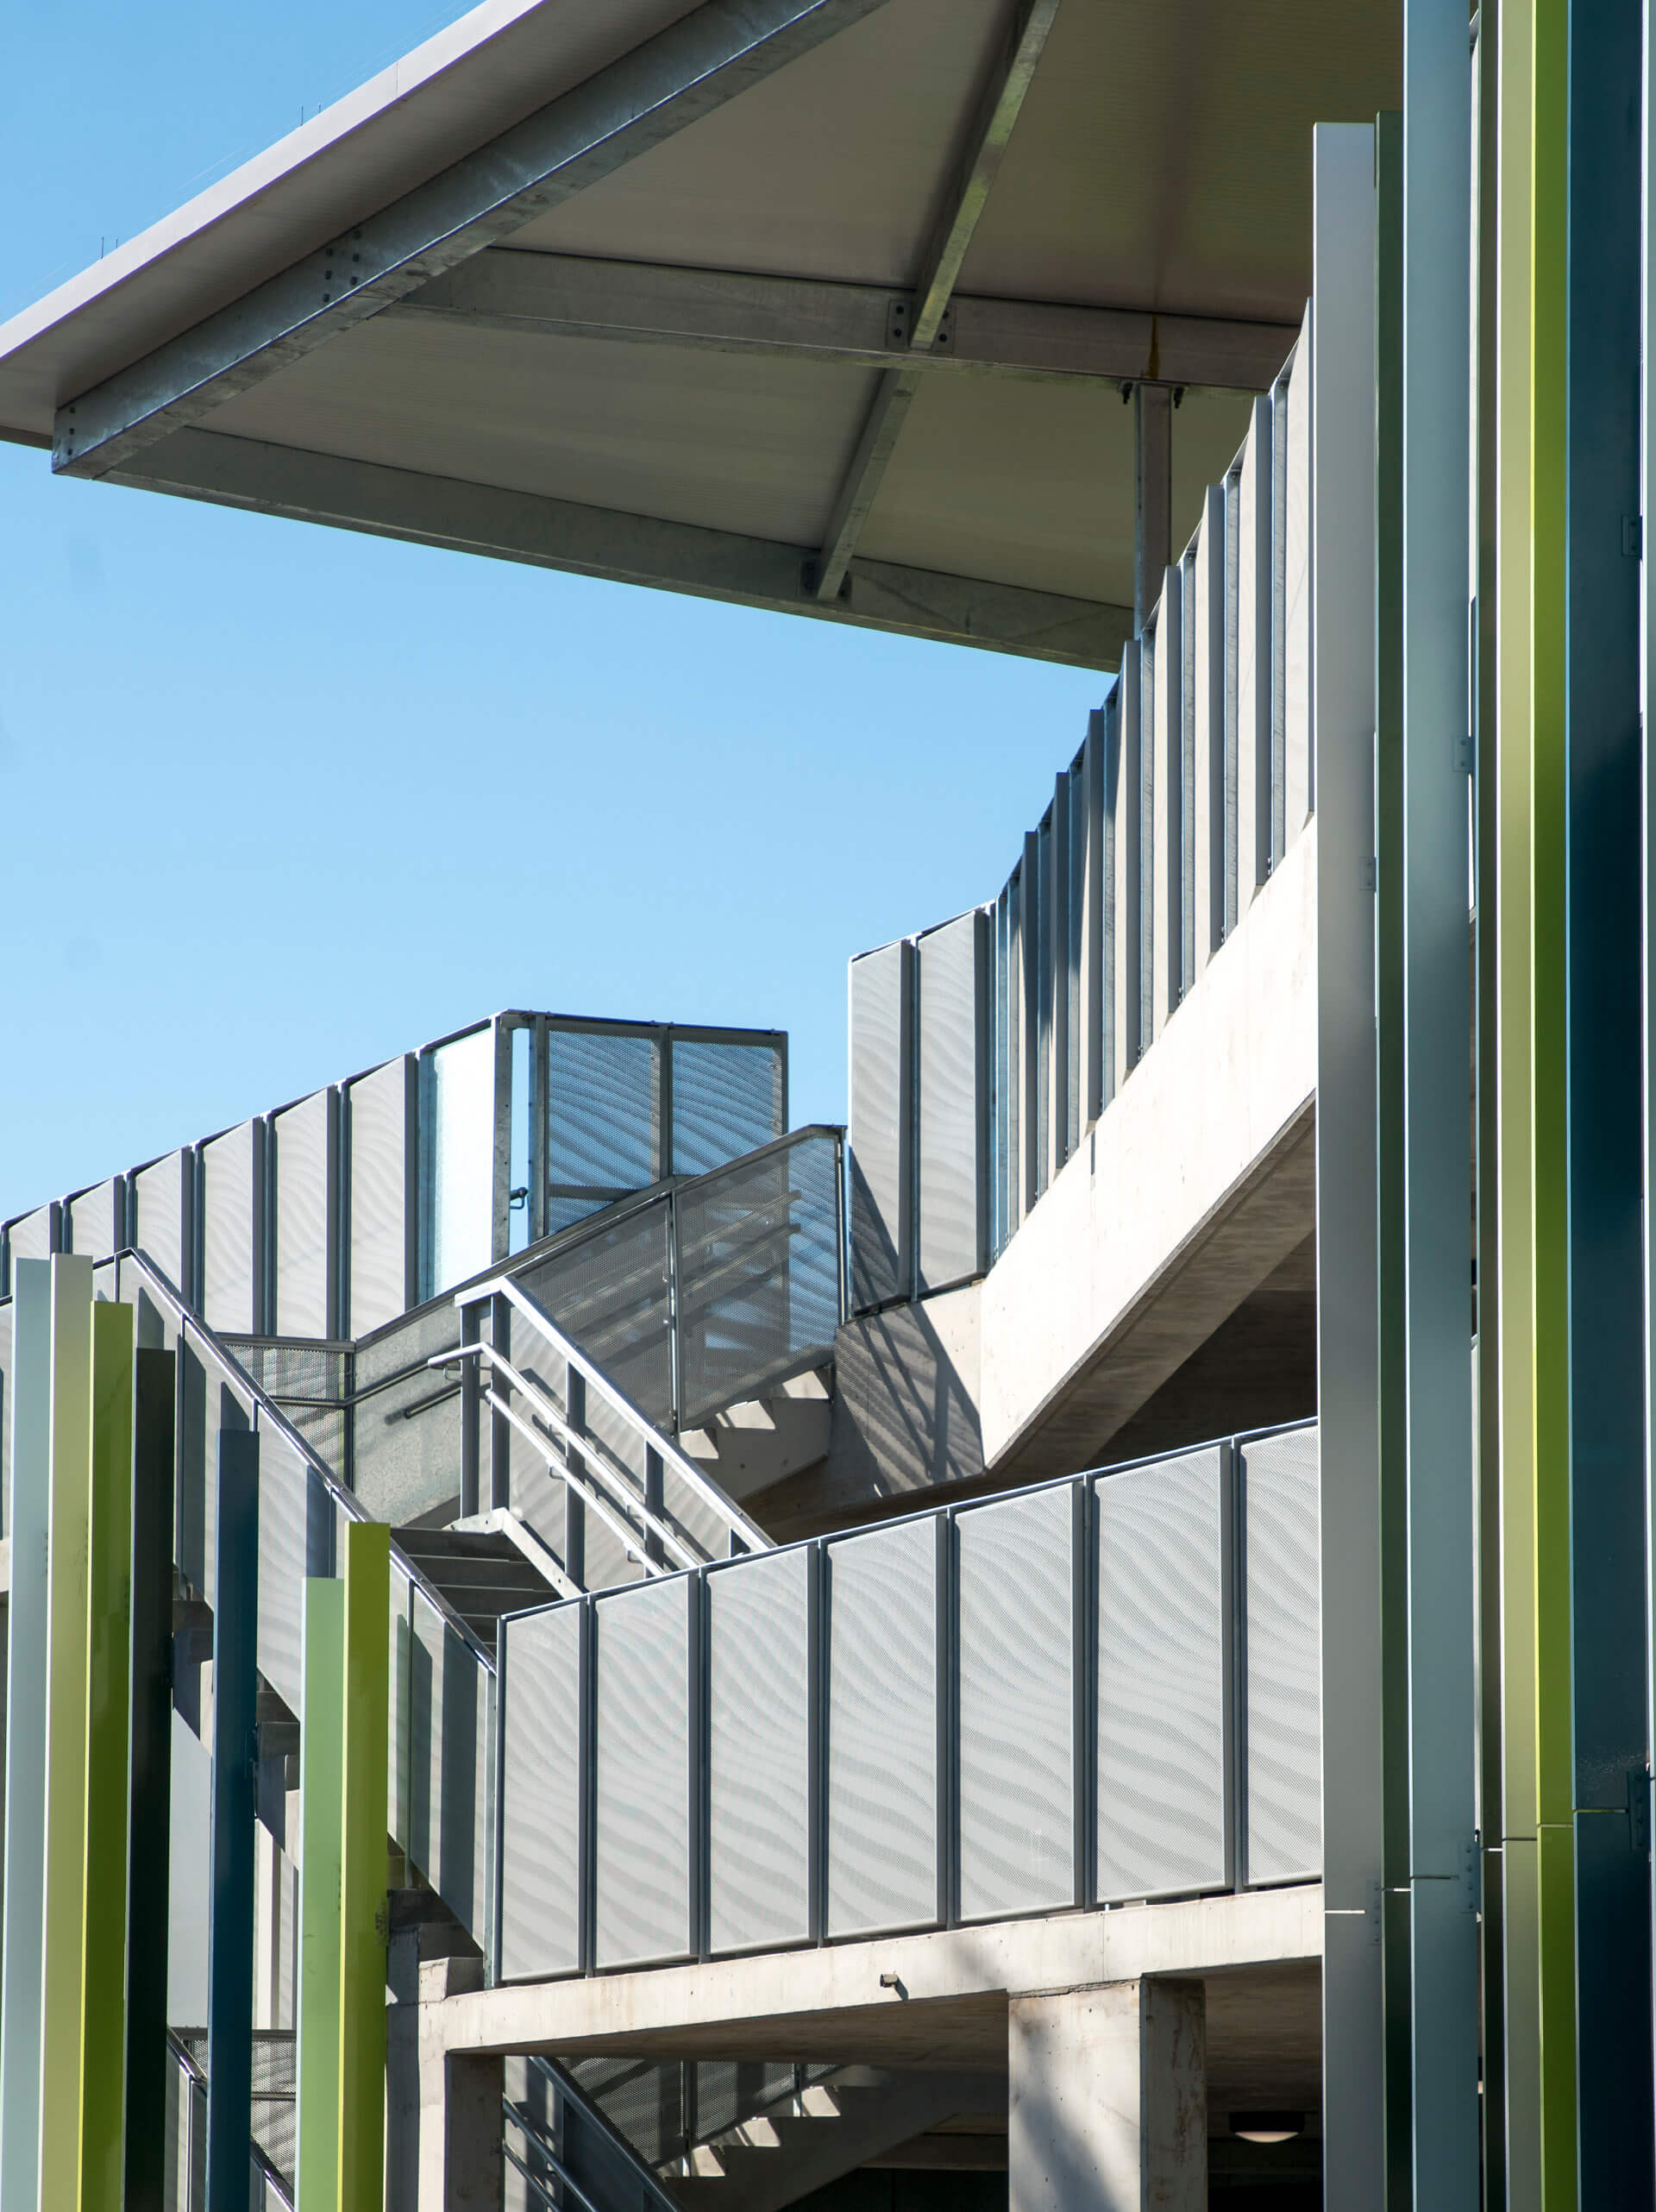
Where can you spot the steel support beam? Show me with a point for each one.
(685, 73)
(845, 325)
(986, 145)
(627, 549)
(1152, 495)
(1437, 1168)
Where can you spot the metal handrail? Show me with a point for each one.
(686, 1469)
(628, 1539)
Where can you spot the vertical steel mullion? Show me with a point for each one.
(1029, 1094)
(499, 1427)
(500, 1184)
(700, 1764)
(229, 1971)
(842, 1243)
(664, 1143)
(471, 1407)
(540, 1124)
(947, 1647)
(1083, 1659)
(674, 1346)
(816, 1644)
(493, 1950)
(1228, 1610)
(587, 1827)
(574, 1510)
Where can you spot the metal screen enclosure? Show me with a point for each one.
(542, 1690)
(1281, 1635)
(642, 1775)
(759, 1752)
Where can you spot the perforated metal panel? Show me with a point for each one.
(32, 1236)
(1016, 1705)
(952, 1010)
(642, 1775)
(1162, 1678)
(285, 1560)
(603, 1110)
(398, 1792)
(1126, 821)
(727, 1100)
(882, 1730)
(759, 1739)
(96, 1224)
(1281, 1701)
(163, 1209)
(306, 1163)
(449, 1768)
(231, 1232)
(880, 1140)
(540, 1808)
(379, 1109)
(1296, 597)
(610, 1292)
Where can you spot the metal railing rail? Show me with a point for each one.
(190, 2147)
(614, 2147)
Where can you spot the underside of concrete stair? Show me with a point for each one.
(482, 1571)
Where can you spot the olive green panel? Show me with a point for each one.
(104, 1991)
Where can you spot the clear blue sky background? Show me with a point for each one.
(278, 801)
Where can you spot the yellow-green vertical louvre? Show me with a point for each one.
(64, 1887)
(1554, 1761)
(322, 1814)
(103, 1990)
(1514, 1348)
(363, 1898)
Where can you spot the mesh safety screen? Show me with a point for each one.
(610, 1293)
(540, 1806)
(759, 1748)
(641, 1774)
(727, 1099)
(449, 1774)
(302, 1142)
(603, 1110)
(1282, 1698)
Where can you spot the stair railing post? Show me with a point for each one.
(676, 1350)
(471, 1402)
(499, 1427)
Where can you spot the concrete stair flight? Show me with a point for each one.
(484, 1567)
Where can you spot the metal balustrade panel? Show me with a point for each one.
(405, 1424)
(604, 1128)
(1282, 1825)
(380, 1146)
(642, 1772)
(163, 1215)
(1162, 1620)
(449, 1779)
(759, 1740)
(881, 1142)
(1016, 1705)
(231, 1254)
(305, 1175)
(541, 1693)
(29, 1237)
(727, 1100)
(951, 999)
(882, 1730)
(611, 1294)
(287, 1553)
(95, 1222)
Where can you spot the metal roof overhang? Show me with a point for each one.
(765, 300)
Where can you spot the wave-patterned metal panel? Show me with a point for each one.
(1016, 1705)
(540, 1692)
(96, 1219)
(1163, 1819)
(163, 1217)
(380, 1121)
(641, 1774)
(231, 1258)
(951, 995)
(1282, 1698)
(882, 1730)
(304, 1142)
(881, 1145)
(449, 1763)
(759, 1735)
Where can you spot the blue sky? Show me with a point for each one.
(278, 801)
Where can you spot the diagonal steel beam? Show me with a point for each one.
(591, 541)
(683, 73)
(986, 144)
(534, 294)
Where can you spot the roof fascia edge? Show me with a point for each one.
(581, 540)
(683, 72)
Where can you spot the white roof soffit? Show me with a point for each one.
(822, 306)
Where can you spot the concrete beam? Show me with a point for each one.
(945, 2006)
(846, 325)
(627, 549)
(686, 72)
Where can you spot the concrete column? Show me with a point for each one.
(1108, 2099)
(460, 2166)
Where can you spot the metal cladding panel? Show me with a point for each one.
(727, 1100)
(381, 1144)
(1161, 1822)
(1296, 596)
(96, 1224)
(611, 1293)
(882, 1730)
(1124, 819)
(952, 1009)
(540, 1805)
(32, 1236)
(641, 1774)
(880, 1139)
(604, 1111)
(759, 1736)
(1253, 658)
(306, 1176)
(285, 1481)
(1016, 1705)
(230, 1237)
(162, 1216)
(397, 1733)
(7, 1377)
(449, 1763)
(1205, 643)
(1281, 1701)
(212, 1395)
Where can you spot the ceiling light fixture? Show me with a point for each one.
(1267, 2126)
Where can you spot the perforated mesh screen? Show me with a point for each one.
(727, 1099)
(643, 1774)
(951, 1005)
(229, 1194)
(610, 1293)
(1282, 1696)
(377, 1114)
(1017, 1705)
(540, 1809)
(30, 1237)
(304, 1221)
(879, 1135)
(883, 1746)
(405, 1424)
(92, 1226)
(758, 1274)
(1161, 1679)
(449, 1776)
(759, 1738)
(285, 1482)
(160, 1208)
(603, 1096)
